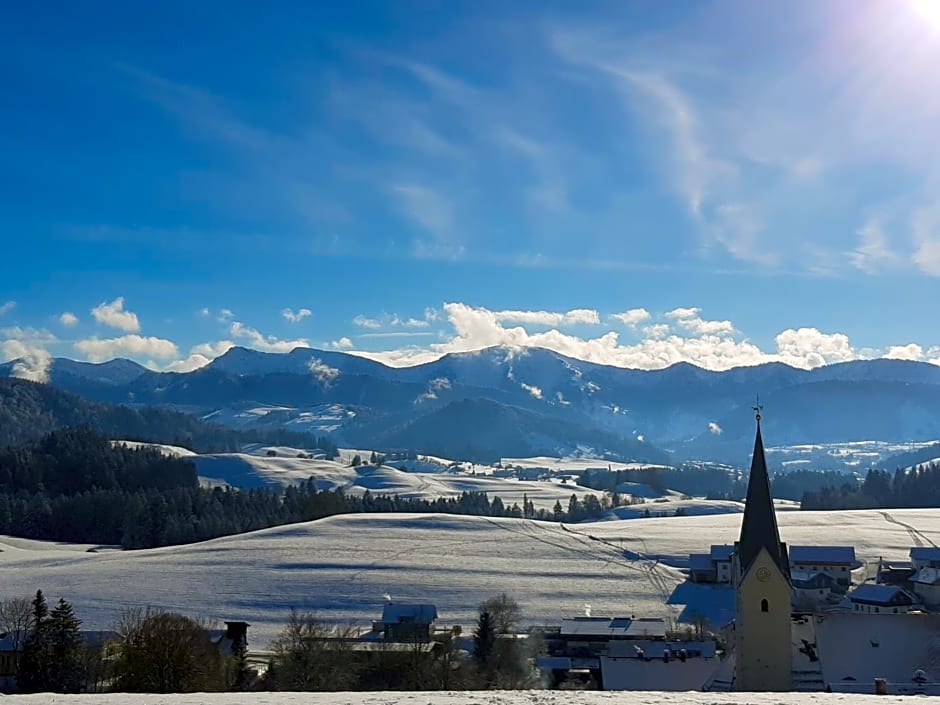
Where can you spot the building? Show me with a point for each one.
(837, 562)
(762, 629)
(925, 584)
(406, 623)
(811, 589)
(624, 653)
(882, 599)
(712, 567)
(925, 557)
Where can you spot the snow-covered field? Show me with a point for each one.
(341, 566)
(521, 697)
(573, 464)
(257, 469)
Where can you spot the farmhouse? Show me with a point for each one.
(882, 599)
(837, 562)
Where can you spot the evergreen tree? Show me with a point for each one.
(484, 643)
(33, 673)
(65, 642)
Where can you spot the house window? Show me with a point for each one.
(764, 606)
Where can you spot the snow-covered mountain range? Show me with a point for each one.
(501, 401)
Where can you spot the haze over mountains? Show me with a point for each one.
(501, 401)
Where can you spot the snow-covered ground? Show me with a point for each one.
(175, 451)
(573, 464)
(490, 697)
(341, 566)
(256, 469)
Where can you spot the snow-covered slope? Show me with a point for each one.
(256, 468)
(340, 567)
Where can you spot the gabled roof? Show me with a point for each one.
(808, 579)
(880, 594)
(396, 612)
(759, 527)
(822, 554)
(925, 553)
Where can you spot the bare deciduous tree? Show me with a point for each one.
(16, 619)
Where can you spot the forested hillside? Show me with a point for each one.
(29, 411)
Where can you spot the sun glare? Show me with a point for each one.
(928, 11)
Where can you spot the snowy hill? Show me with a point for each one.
(341, 566)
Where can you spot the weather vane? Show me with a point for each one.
(758, 408)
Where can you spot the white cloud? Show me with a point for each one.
(113, 315)
(266, 343)
(911, 351)
(809, 347)
(100, 350)
(683, 313)
(577, 316)
(430, 209)
(416, 323)
(297, 317)
(35, 336)
(200, 356)
(714, 345)
(325, 374)
(532, 389)
(714, 428)
(33, 361)
(434, 386)
(873, 253)
(702, 327)
(632, 316)
(439, 383)
(5, 308)
(204, 312)
(343, 343)
(926, 227)
(68, 319)
(225, 315)
(363, 322)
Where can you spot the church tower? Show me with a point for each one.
(763, 656)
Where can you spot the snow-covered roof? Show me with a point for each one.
(880, 594)
(616, 628)
(837, 555)
(700, 561)
(721, 552)
(397, 612)
(927, 576)
(925, 553)
(811, 580)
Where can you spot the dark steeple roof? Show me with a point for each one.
(759, 528)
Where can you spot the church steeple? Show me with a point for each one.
(759, 528)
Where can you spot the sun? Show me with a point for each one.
(928, 11)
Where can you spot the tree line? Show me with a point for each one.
(914, 487)
(74, 485)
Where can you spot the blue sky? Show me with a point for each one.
(745, 180)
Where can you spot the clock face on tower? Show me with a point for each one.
(763, 574)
